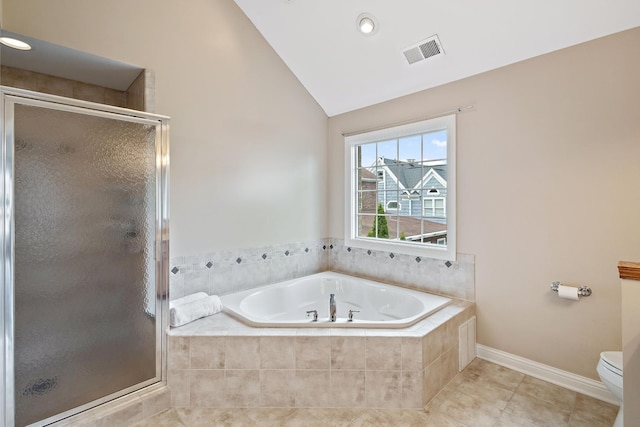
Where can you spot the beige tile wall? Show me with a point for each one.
(141, 93)
(321, 368)
(29, 80)
(139, 96)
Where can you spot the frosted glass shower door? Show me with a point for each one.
(87, 287)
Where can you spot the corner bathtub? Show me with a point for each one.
(286, 304)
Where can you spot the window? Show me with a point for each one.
(393, 205)
(435, 207)
(414, 163)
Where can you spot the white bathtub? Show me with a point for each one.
(378, 305)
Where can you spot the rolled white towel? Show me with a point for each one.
(193, 297)
(188, 312)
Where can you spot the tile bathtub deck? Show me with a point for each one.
(484, 394)
(223, 324)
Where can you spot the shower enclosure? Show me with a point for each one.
(84, 254)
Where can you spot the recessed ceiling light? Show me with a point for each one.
(15, 43)
(367, 24)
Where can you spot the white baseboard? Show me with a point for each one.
(584, 385)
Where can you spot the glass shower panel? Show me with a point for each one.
(85, 285)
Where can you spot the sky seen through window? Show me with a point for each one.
(428, 146)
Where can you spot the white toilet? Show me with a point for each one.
(610, 371)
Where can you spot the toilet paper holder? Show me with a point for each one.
(583, 291)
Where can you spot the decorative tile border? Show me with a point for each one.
(229, 271)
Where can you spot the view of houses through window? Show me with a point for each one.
(401, 188)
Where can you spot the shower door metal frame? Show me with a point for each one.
(9, 97)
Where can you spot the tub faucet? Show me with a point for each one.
(332, 307)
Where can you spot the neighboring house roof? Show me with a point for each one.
(367, 175)
(410, 174)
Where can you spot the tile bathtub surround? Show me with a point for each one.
(452, 279)
(237, 270)
(309, 367)
(230, 271)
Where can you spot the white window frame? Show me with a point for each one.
(448, 252)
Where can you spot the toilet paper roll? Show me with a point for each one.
(568, 292)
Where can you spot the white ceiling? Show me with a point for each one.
(344, 70)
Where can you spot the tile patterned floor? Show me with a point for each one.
(484, 394)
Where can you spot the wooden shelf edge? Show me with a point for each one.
(629, 270)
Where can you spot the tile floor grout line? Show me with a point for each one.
(528, 410)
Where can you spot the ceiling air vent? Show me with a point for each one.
(425, 49)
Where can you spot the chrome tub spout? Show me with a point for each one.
(332, 307)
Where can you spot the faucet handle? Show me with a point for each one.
(351, 314)
(315, 314)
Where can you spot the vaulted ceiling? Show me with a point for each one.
(345, 70)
